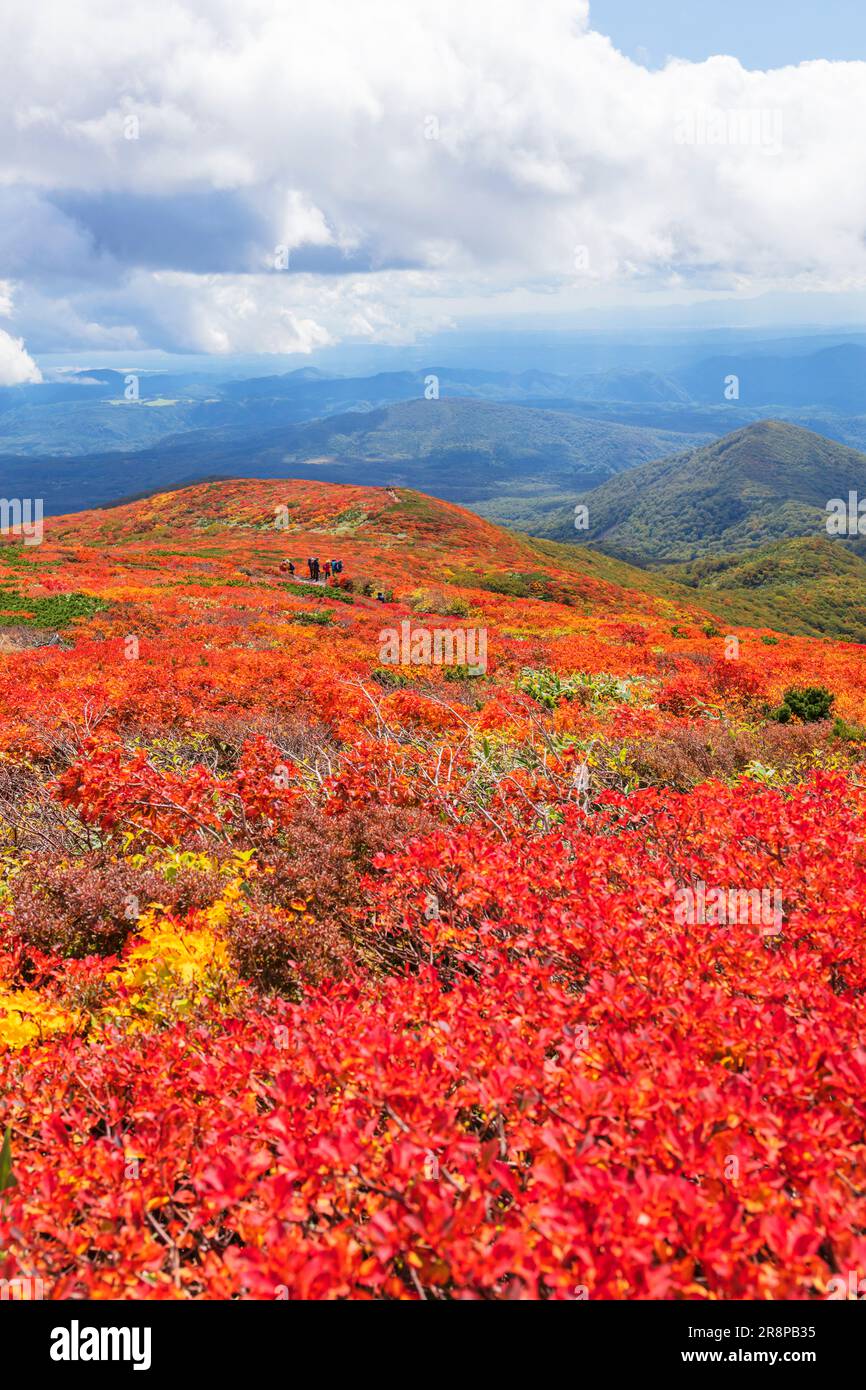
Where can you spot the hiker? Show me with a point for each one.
(291, 567)
(327, 570)
(287, 567)
(337, 566)
(315, 569)
(310, 567)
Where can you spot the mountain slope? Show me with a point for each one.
(393, 538)
(812, 586)
(396, 539)
(321, 949)
(756, 486)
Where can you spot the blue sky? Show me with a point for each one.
(761, 33)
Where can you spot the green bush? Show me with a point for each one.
(809, 704)
(340, 593)
(461, 673)
(548, 687)
(512, 583)
(317, 591)
(850, 733)
(389, 677)
(318, 618)
(437, 601)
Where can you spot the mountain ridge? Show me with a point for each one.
(766, 482)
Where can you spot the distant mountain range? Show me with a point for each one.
(834, 377)
(462, 450)
(743, 520)
(88, 412)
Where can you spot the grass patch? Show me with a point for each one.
(320, 618)
(317, 592)
(514, 584)
(54, 611)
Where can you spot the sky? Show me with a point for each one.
(760, 33)
(271, 177)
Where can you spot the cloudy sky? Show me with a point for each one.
(276, 176)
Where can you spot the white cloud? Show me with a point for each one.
(473, 145)
(278, 313)
(16, 365)
(221, 314)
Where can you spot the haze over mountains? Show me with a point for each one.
(459, 449)
(87, 411)
(514, 444)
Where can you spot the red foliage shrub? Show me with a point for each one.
(90, 905)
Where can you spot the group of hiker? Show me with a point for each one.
(317, 570)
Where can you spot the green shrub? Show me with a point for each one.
(548, 687)
(317, 591)
(850, 733)
(339, 592)
(53, 611)
(512, 583)
(809, 704)
(318, 618)
(389, 677)
(437, 601)
(461, 673)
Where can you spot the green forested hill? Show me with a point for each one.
(812, 586)
(762, 484)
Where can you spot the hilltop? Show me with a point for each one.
(761, 484)
(237, 533)
(229, 538)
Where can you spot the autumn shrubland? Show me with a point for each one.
(323, 978)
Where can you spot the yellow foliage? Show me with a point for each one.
(168, 967)
(26, 1016)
